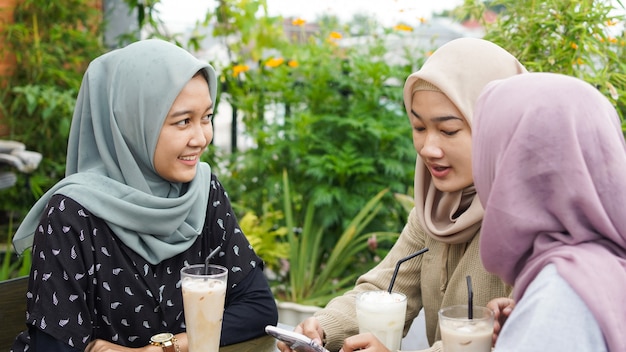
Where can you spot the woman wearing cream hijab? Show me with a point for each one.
(439, 101)
(136, 205)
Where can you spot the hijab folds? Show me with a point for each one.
(459, 69)
(549, 165)
(121, 106)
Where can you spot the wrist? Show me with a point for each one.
(166, 341)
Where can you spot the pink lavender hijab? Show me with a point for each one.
(549, 163)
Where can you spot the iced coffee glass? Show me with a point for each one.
(461, 334)
(383, 314)
(204, 292)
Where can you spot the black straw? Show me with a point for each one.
(395, 272)
(470, 298)
(211, 255)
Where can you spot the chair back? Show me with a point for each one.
(12, 310)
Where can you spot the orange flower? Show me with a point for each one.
(579, 61)
(612, 40)
(611, 23)
(335, 35)
(298, 22)
(422, 20)
(292, 63)
(429, 53)
(402, 27)
(237, 69)
(574, 45)
(274, 62)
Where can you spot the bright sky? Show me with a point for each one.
(180, 13)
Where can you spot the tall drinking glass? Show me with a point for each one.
(461, 334)
(383, 314)
(204, 292)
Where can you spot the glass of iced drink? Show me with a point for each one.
(383, 314)
(461, 334)
(204, 292)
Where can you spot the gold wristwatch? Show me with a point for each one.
(165, 340)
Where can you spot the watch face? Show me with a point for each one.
(162, 337)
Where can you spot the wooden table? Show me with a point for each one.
(260, 344)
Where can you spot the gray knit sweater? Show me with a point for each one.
(431, 281)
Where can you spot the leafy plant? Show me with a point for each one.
(11, 265)
(266, 237)
(576, 38)
(315, 275)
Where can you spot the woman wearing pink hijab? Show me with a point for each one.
(549, 164)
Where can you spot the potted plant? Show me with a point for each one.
(314, 275)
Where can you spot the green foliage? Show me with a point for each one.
(53, 41)
(266, 237)
(331, 115)
(11, 265)
(315, 276)
(576, 38)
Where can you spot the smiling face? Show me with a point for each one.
(442, 137)
(186, 132)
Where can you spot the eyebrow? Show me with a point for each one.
(437, 119)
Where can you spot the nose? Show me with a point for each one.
(201, 135)
(431, 149)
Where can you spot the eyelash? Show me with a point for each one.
(186, 121)
(447, 133)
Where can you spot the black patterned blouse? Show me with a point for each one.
(85, 284)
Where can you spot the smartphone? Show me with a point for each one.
(294, 340)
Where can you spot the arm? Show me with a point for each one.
(338, 318)
(250, 304)
(249, 308)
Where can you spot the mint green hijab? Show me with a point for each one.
(122, 104)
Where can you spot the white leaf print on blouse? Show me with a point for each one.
(236, 250)
(115, 305)
(80, 319)
(73, 254)
(82, 213)
(56, 252)
(106, 286)
(115, 337)
(138, 308)
(81, 237)
(220, 223)
(62, 205)
(42, 323)
(125, 322)
(46, 276)
(116, 271)
(66, 229)
(72, 298)
(146, 324)
(55, 300)
(128, 291)
(105, 251)
(63, 322)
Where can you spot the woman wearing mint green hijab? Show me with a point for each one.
(136, 205)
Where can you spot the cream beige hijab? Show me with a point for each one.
(460, 69)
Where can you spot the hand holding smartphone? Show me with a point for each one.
(294, 340)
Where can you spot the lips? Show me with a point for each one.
(439, 171)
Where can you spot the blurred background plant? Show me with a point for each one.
(584, 39)
(322, 102)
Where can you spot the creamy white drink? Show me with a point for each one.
(382, 314)
(203, 300)
(461, 334)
